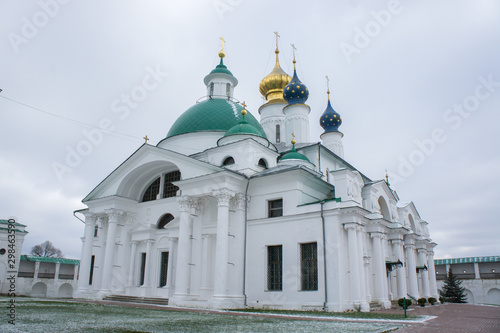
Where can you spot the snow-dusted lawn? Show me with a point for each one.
(34, 315)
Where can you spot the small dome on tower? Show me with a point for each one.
(330, 120)
(272, 85)
(295, 92)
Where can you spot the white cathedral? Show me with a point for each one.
(230, 212)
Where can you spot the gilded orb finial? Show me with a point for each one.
(293, 51)
(328, 86)
(293, 139)
(244, 111)
(222, 54)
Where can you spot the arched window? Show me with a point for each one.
(384, 210)
(169, 189)
(228, 161)
(263, 163)
(164, 220)
(228, 89)
(152, 191)
(278, 134)
(211, 93)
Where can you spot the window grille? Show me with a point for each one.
(309, 266)
(275, 267)
(211, 89)
(169, 189)
(152, 191)
(143, 268)
(163, 269)
(262, 163)
(275, 208)
(228, 89)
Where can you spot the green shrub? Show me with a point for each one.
(442, 299)
(401, 300)
(422, 301)
(432, 300)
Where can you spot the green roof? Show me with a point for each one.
(466, 260)
(294, 155)
(221, 68)
(212, 115)
(25, 257)
(15, 223)
(243, 128)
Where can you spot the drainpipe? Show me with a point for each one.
(78, 211)
(319, 160)
(245, 244)
(324, 257)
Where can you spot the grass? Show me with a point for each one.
(35, 315)
(353, 315)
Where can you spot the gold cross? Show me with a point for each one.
(146, 139)
(327, 86)
(277, 36)
(244, 105)
(293, 136)
(293, 50)
(222, 43)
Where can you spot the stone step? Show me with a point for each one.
(137, 299)
(376, 306)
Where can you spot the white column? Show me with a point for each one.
(400, 271)
(183, 249)
(88, 239)
(378, 267)
(205, 262)
(75, 272)
(131, 269)
(238, 248)
(107, 273)
(37, 269)
(124, 252)
(171, 256)
(477, 275)
(412, 270)
(352, 243)
(222, 245)
(147, 265)
(56, 273)
(361, 264)
(422, 258)
(432, 275)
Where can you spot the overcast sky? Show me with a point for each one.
(417, 84)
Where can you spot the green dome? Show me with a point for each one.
(294, 155)
(221, 68)
(213, 115)
(243, 128)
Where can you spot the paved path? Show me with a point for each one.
(450, 318)
(454, 318)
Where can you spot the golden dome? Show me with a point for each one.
(271, 86)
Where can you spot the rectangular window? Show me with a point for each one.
(91, 275)
(163, 269)
(309, 266)
(275, 267)
(275, 208)
(143, 268)
(278, 134)
(96, 229)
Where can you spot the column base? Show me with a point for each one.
(227, 302)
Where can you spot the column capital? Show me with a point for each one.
(351, 225)
(184, 203)
(223, 196)
(114, 214)
(90, 218)
(238, 201)
(197, 204)
(376, 234)
(396, 241)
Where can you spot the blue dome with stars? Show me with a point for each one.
(330, 120)
(295, 92)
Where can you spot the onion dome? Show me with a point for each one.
(295, 92)
(271, 87)
(244, 127)
(330, 120)
(293, 154)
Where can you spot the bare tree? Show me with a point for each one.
(46, 249)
